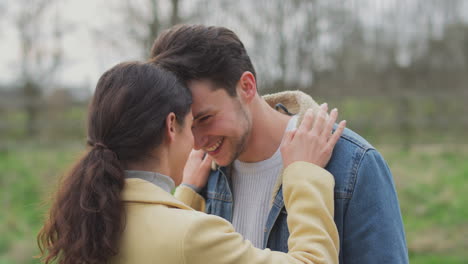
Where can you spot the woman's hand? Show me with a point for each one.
(313, 141)
(197, 169)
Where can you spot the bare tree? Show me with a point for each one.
(40, 54)
(290, 42)
(139, 23)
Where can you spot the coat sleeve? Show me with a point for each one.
(191, 198)
(313, 239)
(373, 230)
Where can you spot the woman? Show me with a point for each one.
(115, 205)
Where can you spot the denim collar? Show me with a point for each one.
(158, 179)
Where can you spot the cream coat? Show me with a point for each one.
(162, 229)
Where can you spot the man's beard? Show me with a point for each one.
(241, 143)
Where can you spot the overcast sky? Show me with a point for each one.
(85, 57)
(81, 50)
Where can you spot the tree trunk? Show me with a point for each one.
(31, 92)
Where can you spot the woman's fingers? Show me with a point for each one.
(287, 138)
(307, 122)
(311, 119)
(197, 169)
(313, 141)
(197, 154)
(327, 131)
(320, 121)
(336, 135)
(206, 163)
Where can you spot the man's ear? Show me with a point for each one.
(171, 127)
(247, 87)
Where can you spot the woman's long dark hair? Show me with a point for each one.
(126, 123)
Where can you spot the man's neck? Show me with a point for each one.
(268, 126)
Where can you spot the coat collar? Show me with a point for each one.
(158, 179)
(141, 191)
(297, 103)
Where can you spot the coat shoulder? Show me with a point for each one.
(154, 231)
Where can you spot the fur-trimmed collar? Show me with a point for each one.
(296, 102)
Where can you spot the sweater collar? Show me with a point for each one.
(158, 179)
(137, 190)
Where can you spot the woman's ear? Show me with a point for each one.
(171, 126)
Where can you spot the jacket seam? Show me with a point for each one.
(356, 142)
(355, 173)
(217, 196)
(279, 203)
(342, 196)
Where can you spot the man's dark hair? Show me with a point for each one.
(196, 52)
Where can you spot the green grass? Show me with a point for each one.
(64, 123)
(432, 184)
(435, 259)
(28, 173)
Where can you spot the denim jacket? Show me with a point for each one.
(367, 213)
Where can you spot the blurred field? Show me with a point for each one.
(29, 174)
(431, 183)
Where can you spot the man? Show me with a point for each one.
(242, 132)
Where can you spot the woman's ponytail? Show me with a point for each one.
(86, 219)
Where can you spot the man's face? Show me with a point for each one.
(221, 125)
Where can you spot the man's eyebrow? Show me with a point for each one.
(202, 113)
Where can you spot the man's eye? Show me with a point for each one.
(203, 119)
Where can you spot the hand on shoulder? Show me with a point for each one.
(313, 141)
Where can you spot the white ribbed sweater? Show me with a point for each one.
(252, 185)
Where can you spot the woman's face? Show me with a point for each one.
(183, 145)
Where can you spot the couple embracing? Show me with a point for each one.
(262, 179)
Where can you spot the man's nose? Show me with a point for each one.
(200, 140)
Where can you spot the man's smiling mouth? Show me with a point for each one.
(215, 146)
